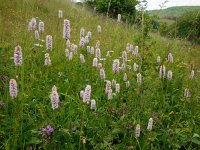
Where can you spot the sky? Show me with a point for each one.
(154, 4)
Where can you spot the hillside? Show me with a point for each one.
(173, 12)
(126, 94)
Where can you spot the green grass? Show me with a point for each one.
(176, 118)
(173, 12)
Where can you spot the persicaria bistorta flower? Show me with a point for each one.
(87, 94)
(119, 18)
(13, 88)
(88, 49)
(68, 44)
(37, 36)
(102, 74)
(139, 78)
(67, 53)
(137, 131)
(124, 56)
(66, 29)
(47, 61)
(100, 65)
(117, 88)
(123, 67)
(187, 93)
(98, 53)
(49, 42)
(82, 42)
(89, 34)
(162, 71)
(92, 50)
(110, 96)
(41, 27)
(170, 58)
(99, 29)
(18, 56)
(60, 14)
(95, 62)
(158, 59)
(54, 99)
(82, 58)
(82, 32)
(116, 66)
(108, 86)
(82, 93)
(169, 75)
(33, 24)
(150, 124)
(87, 39)
(136, 51)
(125, 77)
(93, 104)
(70, 56)
(98, 44)
(128, 84)
(135, 66)
(192, 74)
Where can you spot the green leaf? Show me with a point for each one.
(196, 141)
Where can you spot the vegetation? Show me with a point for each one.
(29, 122)
(115, 7)
(173, 12)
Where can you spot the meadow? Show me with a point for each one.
(135, 94)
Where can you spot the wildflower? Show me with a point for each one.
(54, 99)
(13, 88)
(128, 84)
(49, 130)
(95, 62)
(37, 35)
(60, 14)
(125, 77)
(137, 131)
(74, 49)
(41, 27)
(82, 32)
(131, 47)
(139, 78)
(66, 29)
(68, 44)
(82, 94)
(158, 59)
(88, 49)
(54, 88)
(136, 51)
(162, 71)
(169, 75)
(87, 39)
(87, 94)
(114, 83)
(33, 24)
(192, 74)
(49, 42)
(135, 66)
(70, 56)
(170, 58)
(18, 56)
(100, 65)
(82, 42)
(67, 52)
(98, 53)
(89, 34)
(124, 56)
(124, 67)
(102, 74)
(116, 66)
(119, 18)
(117, 88)
(150, 124)
(110, 94)
(99, 29)
(98, 44)
(92, 50)
(108, 86)
(82, 58)
(187, 93)
(47, 61)
(93, 104)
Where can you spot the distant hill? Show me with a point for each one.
(173, 12)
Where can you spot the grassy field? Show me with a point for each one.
(174, 12)
(112, 125)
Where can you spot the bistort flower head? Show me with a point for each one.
(13, 88)
(18, 56)
(49, 42)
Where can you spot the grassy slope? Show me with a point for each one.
(174, 11)
(21, 119)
